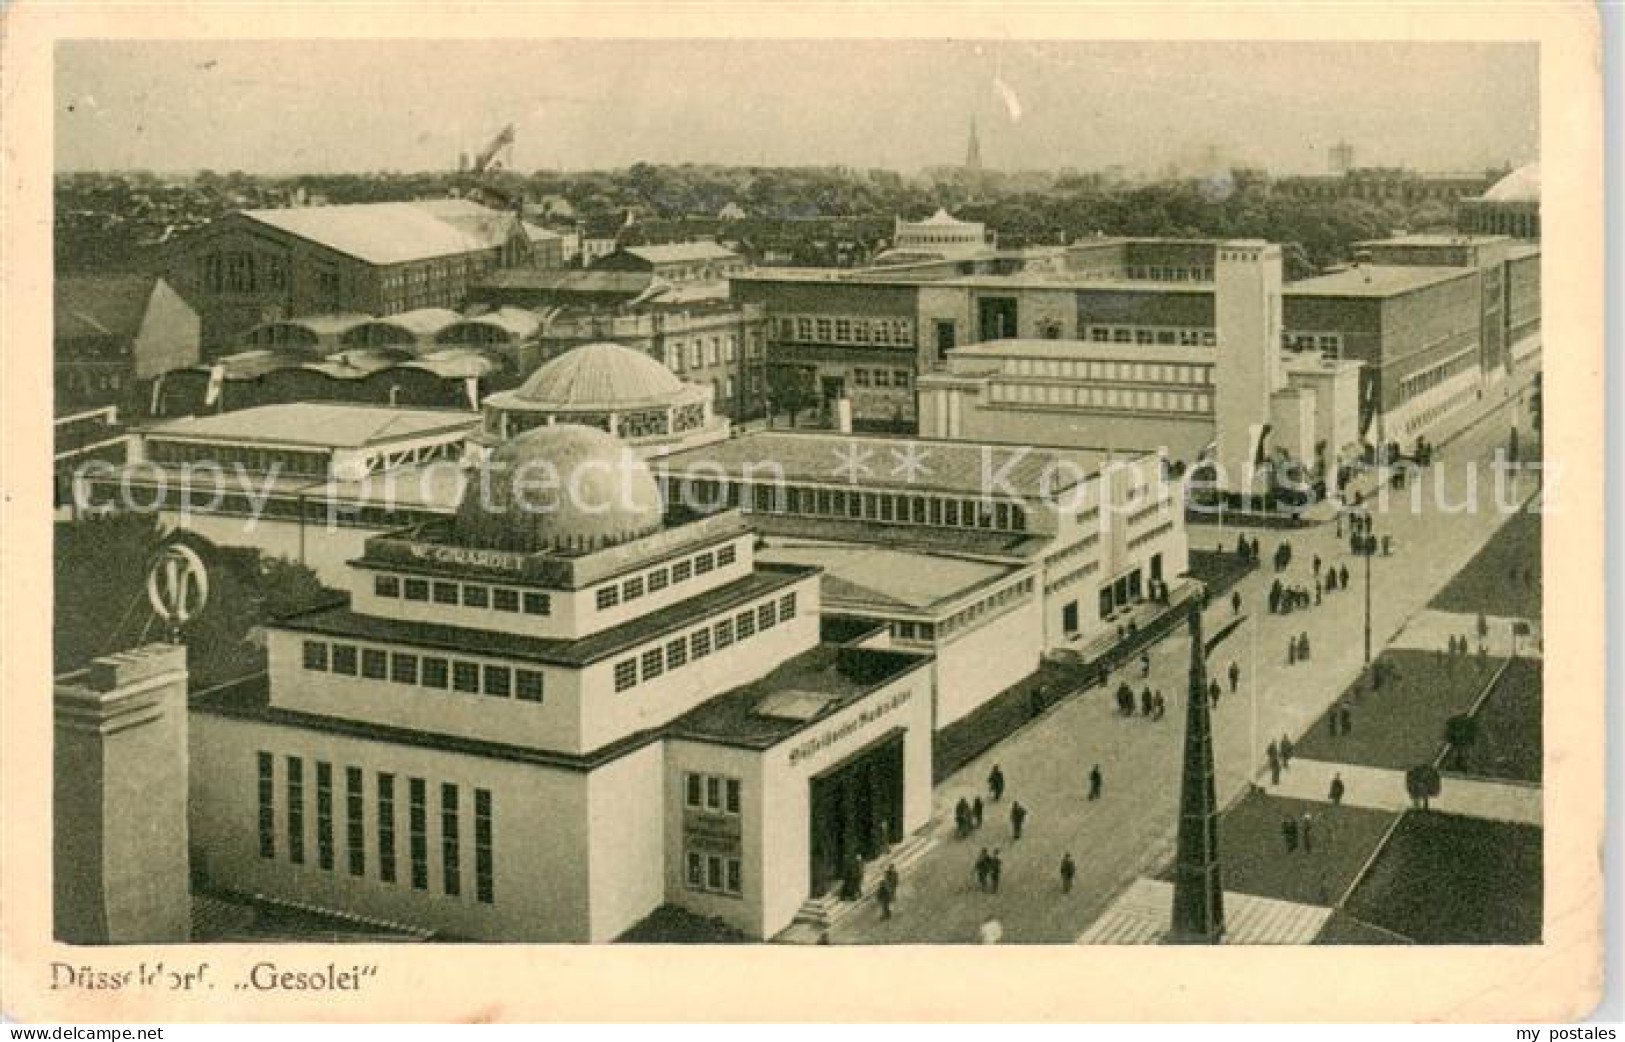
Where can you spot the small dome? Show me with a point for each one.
(562, 487)
(1520, 186)
(602, 376)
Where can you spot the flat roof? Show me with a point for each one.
(886, 578)
(1434, 239)
(819, 683)
(869, 461)
(1087, 350)
(325, 425)
(1015, 280)
(1015, 547)
(1376, 280)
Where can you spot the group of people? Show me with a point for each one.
(1151, 703)
(1340, 719)
(1299, 833)
(1297, 649)
(1279, 755)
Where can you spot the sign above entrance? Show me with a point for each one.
(847, 728)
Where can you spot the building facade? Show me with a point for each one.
(113, 335)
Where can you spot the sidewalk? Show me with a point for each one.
(1381, 789)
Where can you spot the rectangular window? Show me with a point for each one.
(724, 633)
(537, 603)
(731, 796)
(418, 824)
(475, 596)
(744, 625)
(676, 652)
(386, 585)
(450, 854)
(344, 659)
(703, 563)
(787, 606)
(355, 833)
(316, 655)
(726, 555)
(374, 664)
(608, 597)
(484, 877)
(465, 677)
(386, 827)
(696, 870)
(435, 672)
(503, 599)
(626, 673)
(296, 810)
(528, 686)
(659, 579)
(267, 799)
(632, 588)
(324, 815)
(734, 882)
(403, 668)
(498, 681)
(680, 571)
(699, 643)
(445, 593)
(653, 663)
(416, 589)
(767, 616)
(713, 792)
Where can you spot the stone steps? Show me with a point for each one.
(823, 912)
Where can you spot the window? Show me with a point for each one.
(653, 663)
(744, 625)
(528, 685)
(608, 597)
(476, 596)
(386, 827)
(324, 815)
(386, 585)
(484, 886)
(267, 801)
(681, 571)
(373, 663)
(767, 616)
(699, 643)
(696, 870)
(726, 555)
(724, 633)
(418, 826)
(632, 588)
(296, 810)
(450, 855)
(713, 792)
(504, 599)
(731, 796)
(445, 593)
(316, 655)
(537, 603)
(403, 668)
(703, 563)
(435, 672)
(734, 881)
(344, 659)
(659, 579)
(498, 681)
(676, 652)
(787, 606)
(417, 589)
(860, 377)
(465, 677)
(626, 673)
(354, 828)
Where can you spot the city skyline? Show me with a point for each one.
(181, 106)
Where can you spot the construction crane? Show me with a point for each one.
(477, 184)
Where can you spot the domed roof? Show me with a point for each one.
(1520, 186)
(600, 376)
(561, 487)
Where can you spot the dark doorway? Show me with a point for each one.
(947, 337)
(998, 317)
(856, 809)
(1069, 618)
(1156, 566)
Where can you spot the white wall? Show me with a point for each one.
(756, 817)
(626, 840)
(327, 551)
(976, 664)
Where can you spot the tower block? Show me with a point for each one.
(1248, 369)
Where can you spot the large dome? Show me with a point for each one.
(601, 376)
(1520, 186)
(561, 487)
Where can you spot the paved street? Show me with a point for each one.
(1129, 832)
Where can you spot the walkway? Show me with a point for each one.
(1382, 789)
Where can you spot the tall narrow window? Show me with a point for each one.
(484, 881)
(451, 868)
(354, 828)
(324, 814)
(386, 827)
(267, 793)
(296, 810)
(418, 823)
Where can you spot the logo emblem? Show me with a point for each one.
(177, 585)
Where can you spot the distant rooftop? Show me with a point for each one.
(102, 305)
(316, 424)
(858, 576)
(1375, 280)
(1435, 239)
(394, 233)
(628, 282)
(681, 252)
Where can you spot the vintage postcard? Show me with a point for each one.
(502, 502)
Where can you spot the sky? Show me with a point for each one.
(328, 106)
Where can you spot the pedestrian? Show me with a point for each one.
(1289, 834)
(892, 880)
(1275, 597)
(1096, 782)
(1146, 702)
(1035, 702)
(883, 897)
(1235, 603)
(1316, 567)
(1125, 699)
(1303, 646)
(1346, 718)
(1317, 593)
(1274, 756)
(984, 870)
(1018, 818)
(1331, 720)
(995, 783)
(1343, 576)
(1286, 752)
(1235, 677)
(1339, 524)
(994, 867)
(1213, 692)
(1145, 664)
(962, 817)
(1158, 706)
(1291, 651)
(1336, 792)
(1306, 833)
(1069, 871)
(976, 813)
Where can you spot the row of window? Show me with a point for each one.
(681, 650)
(882, 378)
(384, 813)
(1005, 393)
(994, 604)
(1422, 420)
(1109, 371)
(253, 460)
(892, 508)
(714, 873)
(847, 329)
(1072, 578)
(702, 351)
(713, 792)
(430, 671)
(658, 579)
(1164, 335)
(242, 272)
(1151, 534)
(1330, 345)
(1433, 376)
(467, 595)
(1168, 273)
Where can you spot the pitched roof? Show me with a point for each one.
(102, 305)
(394, 233)
(682, 252)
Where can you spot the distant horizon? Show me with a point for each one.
(329, 107)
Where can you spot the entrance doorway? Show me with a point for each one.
(998, 317)
(856, 810)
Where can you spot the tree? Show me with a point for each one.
(1461, 732)
(1422, 784)
(790, 388)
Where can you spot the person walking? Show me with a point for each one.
(1213, 692)
(1331, 720)
(883, 897)
(984, 870)
(1018, 818)
(1343, 576)
(1346, 719)
(1276, 590)
(1158, 706)
(1145, 664)
(1306, 833)
(1337, 790)
(1289, 834)
(1316, 568)
(1274, 756)
(995, 866)
(1291, 651)
(1235, 603)
(1286, 752)
(962, 817)
(1317, 593)
(1069, 872)
(1235, 677)
(995, 783)
(1096, 782)
(1303, 645)
(1145, 701)
(976, 813)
